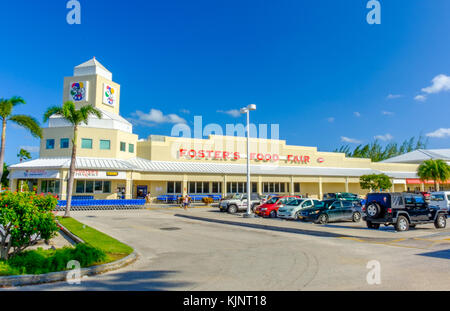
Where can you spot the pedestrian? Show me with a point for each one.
(185, 202)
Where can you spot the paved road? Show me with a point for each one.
(203, 249)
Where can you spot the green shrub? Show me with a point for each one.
(25, 218)
(44, 261)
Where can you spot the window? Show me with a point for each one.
(274, 187)
(216, 187)
(130, 148)
(106, 186)
(80, 186)
(64, 143)
(50, 144)
(98, 186)
(198, 187)
(123, 146)
(89, 186)
(296, 187)
(174, 187)
(105, 144)
(51, 186)
(86, 143)
(254, 187)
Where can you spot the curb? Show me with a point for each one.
(33, 279)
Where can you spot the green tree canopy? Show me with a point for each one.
(436, 170)
(375, 182)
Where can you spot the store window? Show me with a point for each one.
(105, 144)
(173, 187)
(237, 187)
(123, 146)
(64, 143)
(216, 187)
(130, 148)
(50, 144)
(296, 187)
(198, 187)
(86, 143)
(275, 187)
(51, 186)
(90, 186)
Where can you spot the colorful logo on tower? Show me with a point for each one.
(78, 91)
(109, 95)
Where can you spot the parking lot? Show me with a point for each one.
(203, 249)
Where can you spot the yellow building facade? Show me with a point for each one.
(112, 162)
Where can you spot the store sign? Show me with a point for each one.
(418, 181)
(34, 174)
(109, 95)
(226, 155)
(78, 91)
(95, 174)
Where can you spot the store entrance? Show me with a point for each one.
(27, 184)
(141, 192)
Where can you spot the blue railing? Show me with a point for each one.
(110, 204)
(173, 198)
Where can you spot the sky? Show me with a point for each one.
(315, 68)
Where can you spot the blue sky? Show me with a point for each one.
(316, 68)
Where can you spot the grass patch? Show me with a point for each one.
(114, 249)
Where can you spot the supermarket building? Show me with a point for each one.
(111, 159)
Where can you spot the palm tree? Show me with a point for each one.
(75, 117)
(27, 122)
(436, 170)
(23, 155)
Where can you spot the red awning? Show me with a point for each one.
(418, 181)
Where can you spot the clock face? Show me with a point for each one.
(78, 91)
(109, 95)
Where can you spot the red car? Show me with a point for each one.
(270, 207)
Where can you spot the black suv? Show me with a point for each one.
(403, 210)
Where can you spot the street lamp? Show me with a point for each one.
(249, 191)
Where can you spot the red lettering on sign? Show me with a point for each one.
(237, 156)
(192, 153)
(201, 153)
(182, 151)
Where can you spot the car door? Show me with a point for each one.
(347, 210)
(335, 211)
(421, 208)
(306, 204)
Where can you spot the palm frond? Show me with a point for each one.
(29, 123)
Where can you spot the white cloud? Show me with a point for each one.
(440, 83)
(185, 111)
(440, 133)
(420, 98)
(387, 113)
(330, 119)
(384, 137)
(233, 112)
(157, 116)
(394, 96)
(357, 114)
(350, 140)
(31, 149)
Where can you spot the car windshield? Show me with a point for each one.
(273, 200)
(437, 197)
(233, 196)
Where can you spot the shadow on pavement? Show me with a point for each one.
(443, 254)
(127, 280)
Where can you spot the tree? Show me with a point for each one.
(4, 178)
(375, 182)
(436, 170)
(27, 122)
(75, 117)
(23, 155)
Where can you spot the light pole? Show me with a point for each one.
(249, 190)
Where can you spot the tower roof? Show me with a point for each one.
(92, 67)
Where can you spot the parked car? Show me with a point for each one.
(270, 207)
(402, 210)
(440, 199)
(332, 210)
(291, 210)
(342, 196)
(238, 202)
(267, 197)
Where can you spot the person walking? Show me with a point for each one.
(185, 202)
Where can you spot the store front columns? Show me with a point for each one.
(346, 185)
(320, 189)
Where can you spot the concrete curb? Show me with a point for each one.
(33, 279)
(70, 234)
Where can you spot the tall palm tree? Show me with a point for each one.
(436, 170)
(27, 122)
(75, 117)
(23, 155)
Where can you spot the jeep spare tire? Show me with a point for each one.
(373, 210)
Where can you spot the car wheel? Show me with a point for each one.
(373, 210)
(402, 224)
(370, 225)
(356, 217)
(232, 209)
(297, 215)
(323, 219)
(440, 222)
(273, 214)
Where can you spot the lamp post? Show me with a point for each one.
(249, 190)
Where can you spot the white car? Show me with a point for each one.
(291, 210)
(440, 199)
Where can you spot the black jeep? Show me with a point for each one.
(402, 210)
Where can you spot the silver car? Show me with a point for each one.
(292, 209)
